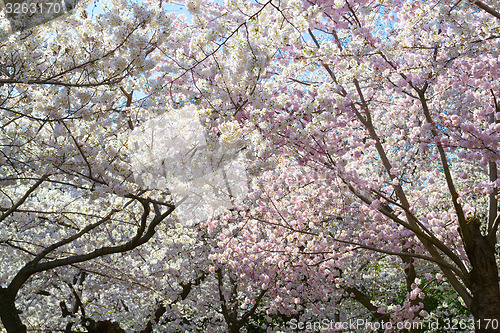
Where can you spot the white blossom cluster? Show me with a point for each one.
(202, 171)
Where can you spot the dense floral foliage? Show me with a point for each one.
(67, 190)
(250, 166)
(373, 128)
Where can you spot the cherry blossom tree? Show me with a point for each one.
(369, 132)
(69, 204)
(390, 111)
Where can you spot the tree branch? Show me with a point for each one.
(24, 197)
(487, 8)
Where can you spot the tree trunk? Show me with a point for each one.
(103, 326)
(9, 314)
(410, 275)
(234, 328)
(484, 282)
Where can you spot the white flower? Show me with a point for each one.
(193, 5)
(231, 136)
